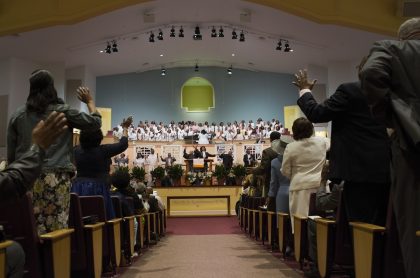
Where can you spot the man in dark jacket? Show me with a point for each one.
(359, 153)
(390, 80)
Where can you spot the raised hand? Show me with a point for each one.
(127, 122)
(47, 131)
(83, 94)
(302, 81)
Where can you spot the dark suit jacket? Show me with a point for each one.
(359, 144)
(248, 162)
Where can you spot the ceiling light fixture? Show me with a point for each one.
(213, 32)
(114, 46)
(287, 47)
(221, 35)
(279, 45)
(152, 37)
(181, 32)
(197, 34)
(108, 48)
(163, 71)
(229, 70)
(234, 35)
(242, 36)
(196, 69)
(160, 35)
(172, 34)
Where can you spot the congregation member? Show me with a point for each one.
(249, 159)
(19, 177)
(227, 160)
(267, 156)
(122, 160)
(303, 160)
(359, 153)
(169, 160)
(390, 80)
(51, 192)
(93, 162)
(139, 161)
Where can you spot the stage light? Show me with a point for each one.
(160, 35)
(213, 33)
(287, 47)
(152, 37)
(108, 48)
(234, 35)
(114, 46)
(229, 70)
(197, 35)
(221, 35)
(196, 69)
(172, 34)
(242, 36)
(163, 71)
(181, 33)
(279, 45)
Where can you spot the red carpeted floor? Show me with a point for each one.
(203, 225)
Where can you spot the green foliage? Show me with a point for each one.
(220, 171)
(122, 169)
(239, 171)
(138, 173)
(158, 172)
(175, 171)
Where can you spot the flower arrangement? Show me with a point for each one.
(192, 177)
(175, 172)
(220, 171)
(239, 171)
(158, 172)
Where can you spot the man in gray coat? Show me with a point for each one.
(391, 81)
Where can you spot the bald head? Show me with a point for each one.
(410, 29)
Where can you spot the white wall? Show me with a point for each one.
(84, 74)
(341, 72)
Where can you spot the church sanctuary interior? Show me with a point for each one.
(208, 160)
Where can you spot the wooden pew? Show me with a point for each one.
(284, 232)
(111, 239)
(127, 228)
(86, 242)
(3, 267)
(271, 228)
(300, 237)
(334, 241)
(47, 255)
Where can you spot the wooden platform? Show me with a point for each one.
(200, 200)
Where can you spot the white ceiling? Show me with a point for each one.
(79, 44)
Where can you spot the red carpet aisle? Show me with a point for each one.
(208, 247)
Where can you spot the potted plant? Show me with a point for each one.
(240, 172)
(175, 172)
(158, 173)
(220, 173)
(191, 178)
(137, 176)
(207, 178)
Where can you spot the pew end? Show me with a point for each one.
(325, 236)
(368, 248)
(283, 222)
(93, 234)
(300, 238)
(114, 231)
(56, 248)
(3, 246)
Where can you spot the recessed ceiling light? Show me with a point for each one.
(233, 54)
(161, 55)
(101, 51)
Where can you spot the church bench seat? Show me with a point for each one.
(300, 237)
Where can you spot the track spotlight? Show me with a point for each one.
(279, 45)
(163, 71)
(172, 34)
(160, 35)
(197, 35)
(287, 47)
(229, 70)
(114, 46)
(196, 69)
(234, 35)
(213, 32)
(181, 33)
(221, 35)
(242, 36)
(108, 48)
(152, 37)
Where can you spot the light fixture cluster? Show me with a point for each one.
(111, 47)
(229, 70)
(286, 47)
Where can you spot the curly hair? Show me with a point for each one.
(302, 128)
(120, 178)
(90, 138)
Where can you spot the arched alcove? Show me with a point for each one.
(197, 95)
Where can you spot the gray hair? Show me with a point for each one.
(410, 29)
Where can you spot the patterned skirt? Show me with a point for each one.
(51, 201)
(92, 187)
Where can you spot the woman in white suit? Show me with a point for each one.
(302, 164)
